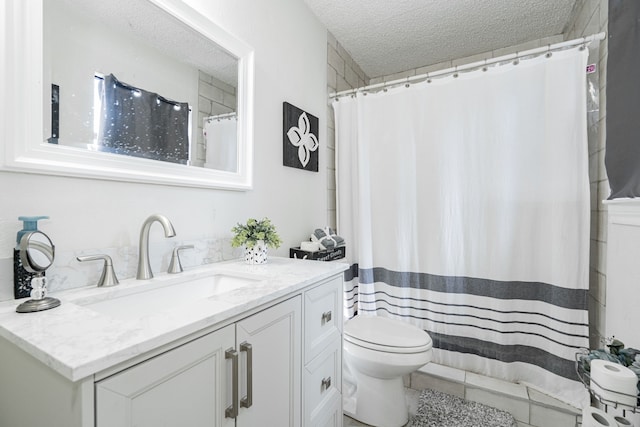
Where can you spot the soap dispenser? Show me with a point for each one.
(21, 277)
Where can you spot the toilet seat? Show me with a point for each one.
(386, 335)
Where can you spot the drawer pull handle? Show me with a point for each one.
(232, 411)
(326, 317)
(247, 401)
(325, 384)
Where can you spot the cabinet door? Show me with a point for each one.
(186, 386)
(275, 339)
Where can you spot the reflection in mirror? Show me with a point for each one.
(124, 77)
(36, 251)
(220, 135)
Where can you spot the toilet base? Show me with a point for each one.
(380, 402)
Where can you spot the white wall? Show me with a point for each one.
(87, 215)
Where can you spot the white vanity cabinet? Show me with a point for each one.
(284, 337)
(193, 385)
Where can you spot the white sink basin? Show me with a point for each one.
(148, 300)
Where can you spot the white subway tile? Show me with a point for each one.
(420, 381)
(351, 77)
(434, 67)
(335, 60)
(471, 59)
(500, 386)
(445, 372)
(332, 77)
(400, 75)
(543, 416)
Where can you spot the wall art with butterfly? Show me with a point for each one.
(300, 138)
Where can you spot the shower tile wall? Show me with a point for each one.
(588, 17)
(342, 74)
(214, 97)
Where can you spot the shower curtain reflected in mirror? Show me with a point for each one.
(139, 123)
(221, 142)
(466, 205)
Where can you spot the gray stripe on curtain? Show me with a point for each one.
(506, 353)
(469, 325)
(407, 304)
(535, 291)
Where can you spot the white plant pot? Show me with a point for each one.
(257, 254)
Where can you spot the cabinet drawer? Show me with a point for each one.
(323, 380)
(322, 316)
(330, 415)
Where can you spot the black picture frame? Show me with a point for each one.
(300, 141)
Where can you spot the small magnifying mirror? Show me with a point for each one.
(37, 253)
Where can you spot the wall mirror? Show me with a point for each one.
(134, 90)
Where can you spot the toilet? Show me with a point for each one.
(378, 352)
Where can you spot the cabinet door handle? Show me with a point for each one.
(325, 384)
(247, 401)
(326, 316)
(232, 411)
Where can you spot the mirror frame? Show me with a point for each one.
(21, 111)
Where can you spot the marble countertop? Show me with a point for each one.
(77, 341)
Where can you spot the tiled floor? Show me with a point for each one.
(530, 407)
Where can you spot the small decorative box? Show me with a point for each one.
(324, 255)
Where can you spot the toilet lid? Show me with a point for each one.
(385, 334)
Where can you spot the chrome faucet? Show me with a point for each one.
(144, 267)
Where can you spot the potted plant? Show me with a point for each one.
(255, 236)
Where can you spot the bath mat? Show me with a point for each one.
(437, 409)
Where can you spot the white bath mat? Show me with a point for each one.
(437, 409)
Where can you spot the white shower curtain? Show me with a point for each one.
(465, 203)
(220, 138)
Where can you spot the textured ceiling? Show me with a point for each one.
(389, 36)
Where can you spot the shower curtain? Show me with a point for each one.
(139, 123)
(465, 203)
(220, 138)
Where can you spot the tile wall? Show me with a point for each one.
(590, 17)
(342, 74)
(214, 98)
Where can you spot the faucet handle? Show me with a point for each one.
(175, 266)
(108, 277)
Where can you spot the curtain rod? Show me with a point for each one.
(478, 64)
(219, 117)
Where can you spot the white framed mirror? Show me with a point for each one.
(131, 90)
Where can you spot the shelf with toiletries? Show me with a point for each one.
(611, 371)
(323, 245)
